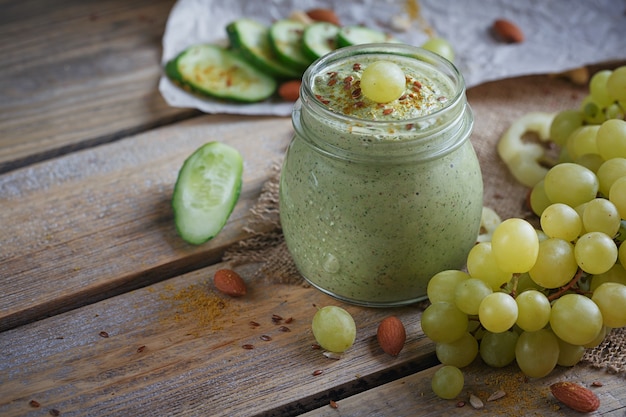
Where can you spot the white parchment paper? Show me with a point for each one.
(559, 35)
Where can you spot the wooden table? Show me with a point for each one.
(95, 280)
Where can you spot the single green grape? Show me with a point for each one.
(611, 139)
(459, 353)
(561, 221)
(621, 255)
(610, 171)
(334, 329)
(447, 382)
(469, 294)
(580, 209)
(617, 195)
(443, 322)
(498, 349)
(515, 245)
(556, 264)
(441, 286)
(601, 215)
(569, 355)
(539, 201)
(583, 141)
(598, 88)
(440, 46)
(564, 124)
(498, 312)
(615, 111)
(592, 111)
(591, 161)
(383, 81)
(537, 352)
(616, 84)
(575, 319)
(617, 273)
(482, 264)
(595, 252)
(611, 299)
(533, 310)
(570, 184)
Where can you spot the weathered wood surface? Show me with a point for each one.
(78, 73)
(190, 368)
(87, 238)
(157, 359)
(412, 395)
(99, 222)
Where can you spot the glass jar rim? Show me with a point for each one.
(432, 59)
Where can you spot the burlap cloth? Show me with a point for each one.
(496, 105)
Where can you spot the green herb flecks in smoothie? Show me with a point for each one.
(340, 89)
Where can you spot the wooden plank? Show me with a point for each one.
(75, 74)
(98, 222)
(159, 361)
(413, 396)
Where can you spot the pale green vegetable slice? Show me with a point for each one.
(319, 39)
(357, 35)
(216, 72)
(206, 191)
(286, 41)
(251, 39)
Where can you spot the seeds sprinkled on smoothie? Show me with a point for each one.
(404, 96)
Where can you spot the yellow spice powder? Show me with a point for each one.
(198, 303)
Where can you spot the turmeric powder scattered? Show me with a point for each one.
(520, 396)
(198, 303)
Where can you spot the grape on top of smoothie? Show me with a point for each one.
(379, 89)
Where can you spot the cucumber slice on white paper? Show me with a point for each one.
(216, 72)
(357, 35)
(286, 41)
(319, 39)
(206, 191)
(251, 39)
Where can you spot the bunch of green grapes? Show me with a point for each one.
(541, 296)
(527, 297)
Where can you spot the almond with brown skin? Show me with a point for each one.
(290, 90)
(391, 335)
(575, 396)
(324, 15)
(507, 31)
(229, 282)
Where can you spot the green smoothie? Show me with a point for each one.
(377, 198)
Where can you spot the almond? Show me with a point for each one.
(229, 282)
(508, 31)
(290, 90)
(391, 335)
(575, 396)
(324, 15)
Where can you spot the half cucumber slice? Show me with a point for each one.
(286, 41)
(319, 39)
(206, 191)
(357, 35)
(251, 39)
(216, 72)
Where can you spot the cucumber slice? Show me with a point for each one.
(356, 35)
(286, 41)
(319, 39)
(206, 191)
(216, 72)
(251, 39)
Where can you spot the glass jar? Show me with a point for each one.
(374, 202)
